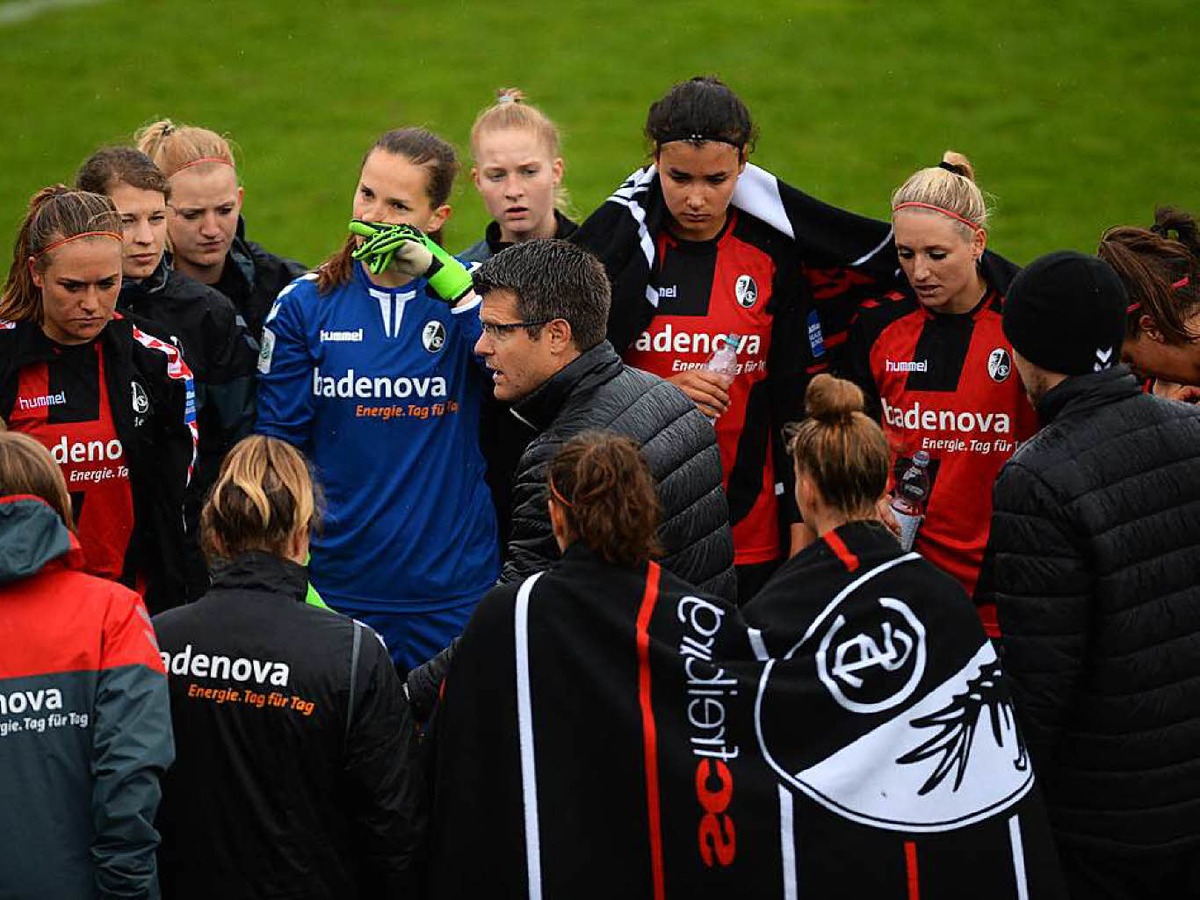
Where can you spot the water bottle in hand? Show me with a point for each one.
(724, 362)
(910, 498)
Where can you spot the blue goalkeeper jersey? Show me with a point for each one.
(381, 388)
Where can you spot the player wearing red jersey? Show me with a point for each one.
(937, 367)
(721, 271)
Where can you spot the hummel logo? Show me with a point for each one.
(1104, 357)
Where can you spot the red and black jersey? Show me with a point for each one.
(945, 384)
(64, 403)
(118, 414)
(739, 283)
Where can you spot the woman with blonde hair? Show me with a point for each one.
(518, 171)
(113, 403)
(290, 723)
(85, 729)
(938, 371)
(207, 230)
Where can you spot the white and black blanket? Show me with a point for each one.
(609, 732)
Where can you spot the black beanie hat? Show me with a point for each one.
(1065, 312)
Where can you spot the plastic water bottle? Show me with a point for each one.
(724, 360)
(910, 498)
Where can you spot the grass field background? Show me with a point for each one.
(1078, 115)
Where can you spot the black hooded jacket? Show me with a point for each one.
(217, 348)
(292, 775)
(1096, 543)
(598, 391)
(253, 277)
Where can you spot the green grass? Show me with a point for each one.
(1078, 115)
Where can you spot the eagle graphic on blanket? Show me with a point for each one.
(610, 732)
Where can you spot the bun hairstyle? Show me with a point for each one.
(55, 213)
(176, 147)
(511, 111)
(948, 188)
(1160, 268)
(263, 497)
(420, 147)
(602, 483)
(841, 448)
(701, 109)
(26, 467)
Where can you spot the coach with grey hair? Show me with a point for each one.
(1096, 550)
(544, 313)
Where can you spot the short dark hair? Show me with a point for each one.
(705, 106)
(552, 279)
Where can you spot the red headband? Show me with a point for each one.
(915, 204)
(1176, 285)
(204, 159)
(557, 496)
(75, 237)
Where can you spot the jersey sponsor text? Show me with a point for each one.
(671, 341)
(376, 387)
(921, 418)
(204, 665)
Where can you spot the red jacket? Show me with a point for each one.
(85, 728)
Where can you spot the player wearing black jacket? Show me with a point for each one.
(217, 348)
(292, 775)
(253, 277)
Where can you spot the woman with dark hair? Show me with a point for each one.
(719, 272)
(85, 726)
(209, 331)
(208, 232)
(114, 404)
(938, 370)
(368, 366)
(1160, 267)
(291, 775)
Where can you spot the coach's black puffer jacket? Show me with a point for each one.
(1096, 539)
(598, 391)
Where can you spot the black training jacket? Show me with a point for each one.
(1096, 543)
(597, 391)
(217, 348)
(292, 775)
(253, 277)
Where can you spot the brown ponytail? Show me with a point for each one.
(54, 213)
(602, 483)
(1159, 268)
(841, 448)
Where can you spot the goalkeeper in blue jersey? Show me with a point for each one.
(367, 365)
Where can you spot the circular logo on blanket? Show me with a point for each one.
(746, 291)
(999, 365)
(433, 336)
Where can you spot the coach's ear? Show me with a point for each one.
(558, 333)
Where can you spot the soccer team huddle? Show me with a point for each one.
(493, 572)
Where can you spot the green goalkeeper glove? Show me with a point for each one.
(408, 251)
